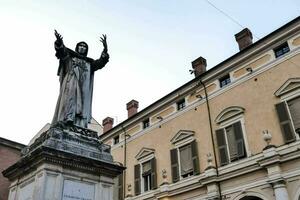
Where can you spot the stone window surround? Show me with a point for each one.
(180, 143)
(287, 96)
(228, 122)
(141, 160)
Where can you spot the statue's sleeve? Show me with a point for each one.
(61, 50)
(101, 62)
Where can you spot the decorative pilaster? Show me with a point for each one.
(280, 190)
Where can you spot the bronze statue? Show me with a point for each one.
(76, 76)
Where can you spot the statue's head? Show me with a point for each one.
(82, 48)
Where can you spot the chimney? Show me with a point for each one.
(199, 66)
(107, 124)
(244, 38)
(132, 107)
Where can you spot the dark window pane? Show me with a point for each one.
(225, 80)
(147, 182)
(146, 123)
(181, 104)
(116, 139)
(281, 50)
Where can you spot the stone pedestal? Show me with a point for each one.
(64, 163)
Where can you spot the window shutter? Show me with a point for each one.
(153, 174)
(137, 179)
(222, 146)
(120, 186)
(238, 132)
(174, 165)
(285, 122)
(195, 158)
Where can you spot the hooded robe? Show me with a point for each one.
(76, 76)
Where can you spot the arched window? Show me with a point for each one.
(231, 135)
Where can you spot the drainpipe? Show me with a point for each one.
(125, 153)
(212, 137)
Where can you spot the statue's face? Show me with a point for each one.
(82, 49)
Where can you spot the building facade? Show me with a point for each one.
(10, 152)
(230, 133)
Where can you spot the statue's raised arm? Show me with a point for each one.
(59, 38)
(103, 40)
(101, 62)
(59, 46)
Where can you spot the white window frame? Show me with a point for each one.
(178, 145)
(229, 122)
(287, 97)
(141, 162)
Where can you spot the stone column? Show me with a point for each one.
(280, 191)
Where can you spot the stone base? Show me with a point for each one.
(64, 164)
(52, 182)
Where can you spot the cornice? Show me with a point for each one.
(268, 42)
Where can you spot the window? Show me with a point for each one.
(288, 111)
(145, 176)
(281, 50)
(225, 80)
(186, 164)
(231, 143)
(146, 123)
(294, 107)
(116, 139)
(180, 104)
(184, 161)
(289, 117)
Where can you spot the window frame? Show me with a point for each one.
(280, 48)
(230, 122)
(146, 123)
(114, 140)
(183, 143)
(143, 178)
(179, 103)
(225, 77)
(286, 99)
(191, 173)
(141, 161)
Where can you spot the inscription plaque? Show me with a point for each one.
(75, 190)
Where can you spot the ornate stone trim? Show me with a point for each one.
(228, 113)
(144, 152)
(289, 86)
(182, 135)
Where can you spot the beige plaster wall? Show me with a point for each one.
(255, 95)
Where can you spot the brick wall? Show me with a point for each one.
(9, 154)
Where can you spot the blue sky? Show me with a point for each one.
(151, 45)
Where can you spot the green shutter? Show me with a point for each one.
(174, 165)
(120, 186)
(222, 146)
(285, 122)
(137, 179)
(240, 145)
(153, 174)
(195, 158)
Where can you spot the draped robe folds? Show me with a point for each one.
(76, 76)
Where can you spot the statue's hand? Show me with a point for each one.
(103, 41)
(59, 38)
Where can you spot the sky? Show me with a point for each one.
(151, 46)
